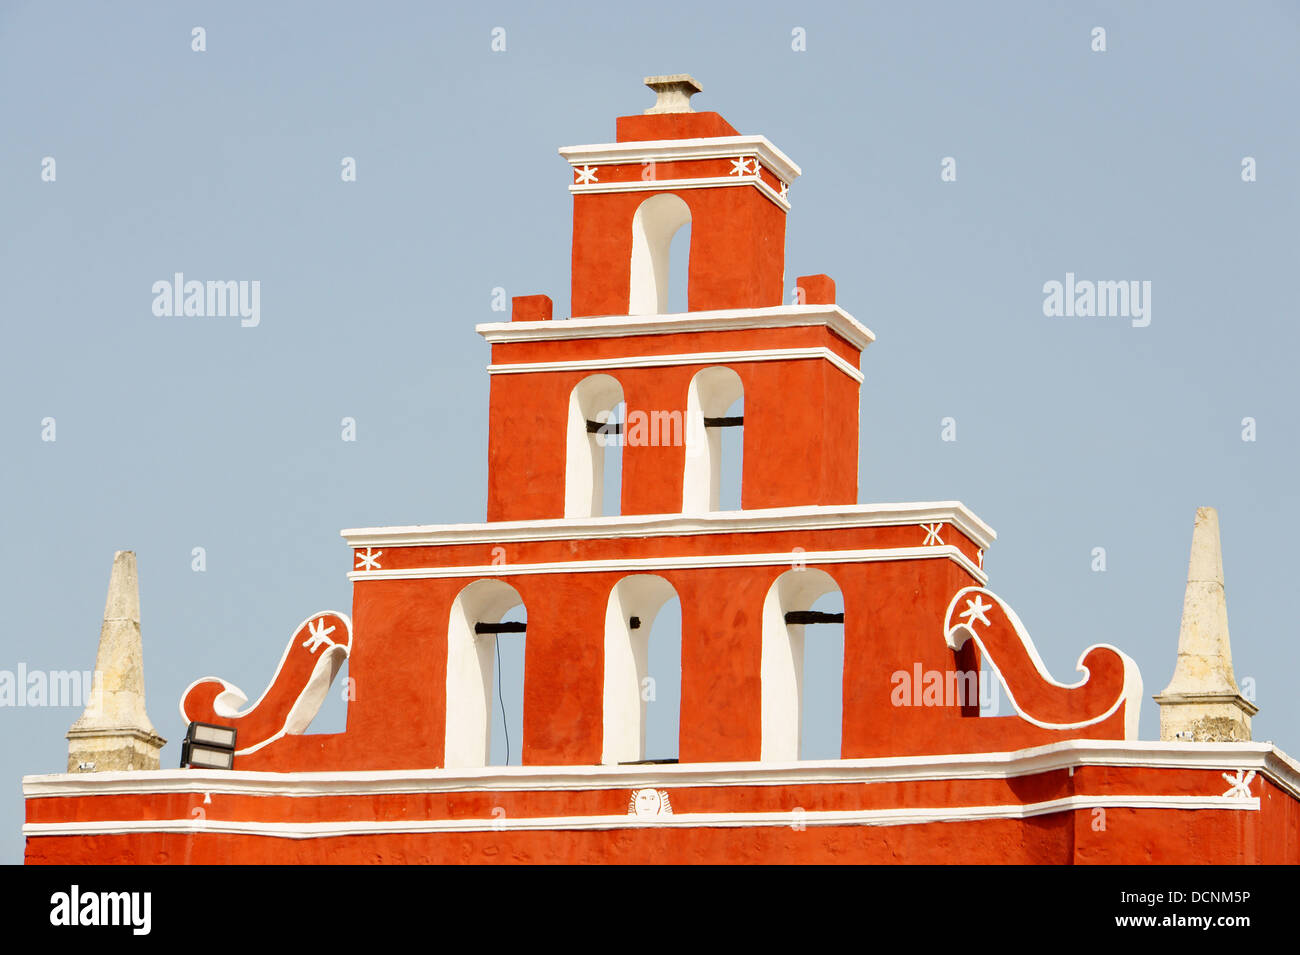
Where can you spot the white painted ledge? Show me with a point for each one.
(1264, 758)
(728, 359)
(670, 324)
(716, 320)
(801, 518)
(679, 820)
(653, 565)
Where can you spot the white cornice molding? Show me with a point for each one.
(678, 820)
(803, 518)
(647, 565)
(1263, 758)
(677, 150)
(720, 320)
(692, 358)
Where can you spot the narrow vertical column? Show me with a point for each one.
(722, 659)
(564, 666)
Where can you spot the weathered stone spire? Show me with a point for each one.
(1202, 703)
(114, 733)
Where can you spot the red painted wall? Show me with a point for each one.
(800, 436)
(894, 622)
(1087, 835)
(737, 257)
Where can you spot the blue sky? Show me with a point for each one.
(1072, 433)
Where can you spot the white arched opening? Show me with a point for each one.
(782, 666)
(470, 666)
(712, 395)
(592, 429)
(654, 224)
(634, 603)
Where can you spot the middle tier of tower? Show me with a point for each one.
(781, 385)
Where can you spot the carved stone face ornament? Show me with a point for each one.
(649, 802)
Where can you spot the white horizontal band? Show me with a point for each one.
(1263, 758)
(815, 517)
(699, 358)
(1049, 757)
(685, 150)
(650, 564)
(676, 820)
(713, 320)
(676, 185)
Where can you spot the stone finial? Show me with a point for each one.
(1203, 703)
(674, 91)
(114, 732)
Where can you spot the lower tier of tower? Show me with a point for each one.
(1074, 802)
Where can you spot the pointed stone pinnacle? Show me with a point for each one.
(1206, 563)
(1203, 702)
(114, 732)
(1204, 655)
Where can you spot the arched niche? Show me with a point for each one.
(782, 659)
(711, 394)
(633, 604)
(654, 224)
(594, 400)
(470, 665)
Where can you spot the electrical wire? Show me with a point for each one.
(505, 730)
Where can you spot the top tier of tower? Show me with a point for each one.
(730, 188)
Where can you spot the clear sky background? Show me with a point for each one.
(1072, 434)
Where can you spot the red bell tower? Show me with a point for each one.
(591, 572)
